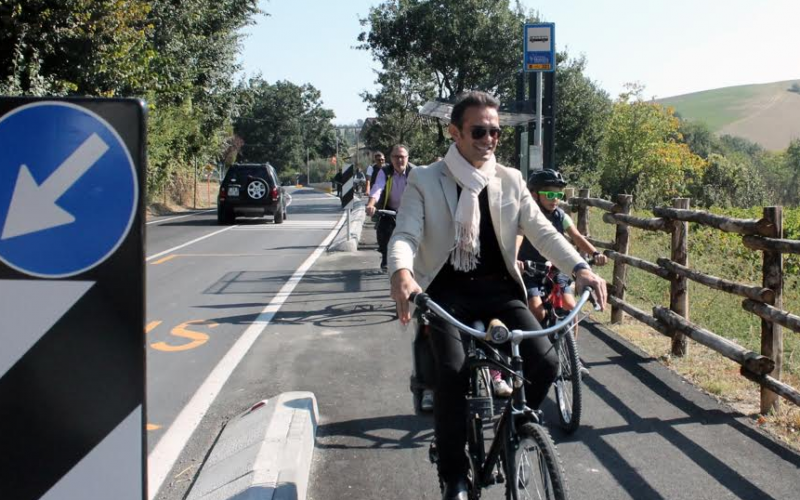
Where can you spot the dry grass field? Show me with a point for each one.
(768, 114)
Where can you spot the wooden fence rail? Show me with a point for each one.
(771, 244)
(765, 301)
(727, 224)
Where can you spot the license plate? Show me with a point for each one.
(233, 191)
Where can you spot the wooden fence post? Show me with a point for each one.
(622, 245)
(679, 285)
(771, 333)
(583, 214)
(569, 193)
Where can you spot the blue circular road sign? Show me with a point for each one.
(68, 189)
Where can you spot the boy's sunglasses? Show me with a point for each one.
(479, 132)
(553, 195)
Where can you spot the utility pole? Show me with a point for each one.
(308, 170)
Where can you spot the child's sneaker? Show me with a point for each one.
(426, 403)
(501, 388)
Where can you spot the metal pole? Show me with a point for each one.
(195, 183)
(519, 108)
(549, 126)
(348, 224)
(308, 170)
(537, 136)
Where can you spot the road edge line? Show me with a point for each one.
(183, 245)
(157, 221)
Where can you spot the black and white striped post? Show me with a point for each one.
(348, 192)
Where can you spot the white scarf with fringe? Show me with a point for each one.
(467, 249)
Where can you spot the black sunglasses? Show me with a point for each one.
(479, 132)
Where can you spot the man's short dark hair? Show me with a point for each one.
(469, 99)
(400, 146)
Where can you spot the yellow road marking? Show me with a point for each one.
(197, 338)
(150, 326)
(168, 257)
(174, 255)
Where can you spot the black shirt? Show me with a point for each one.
(490, 262)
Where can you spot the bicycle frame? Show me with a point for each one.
(516, 406)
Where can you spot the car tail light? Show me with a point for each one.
(274, 194)
(222, 194)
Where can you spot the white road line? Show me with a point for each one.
(161, 460)
(159, 254)
(178, 217)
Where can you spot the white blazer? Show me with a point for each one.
(425, 231)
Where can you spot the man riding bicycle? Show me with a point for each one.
(456, 239)
(547, 188)
(386, 194)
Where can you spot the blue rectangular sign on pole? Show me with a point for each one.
(540, 47)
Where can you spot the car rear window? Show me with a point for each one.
(241, 174)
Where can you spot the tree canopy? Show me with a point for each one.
(643, 153)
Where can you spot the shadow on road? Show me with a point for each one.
(270, 282)
(714, 462)
(396, 432)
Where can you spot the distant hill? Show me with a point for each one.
(768, 113)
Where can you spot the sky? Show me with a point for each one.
(672, 47)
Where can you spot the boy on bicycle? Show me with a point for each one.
(547, 188)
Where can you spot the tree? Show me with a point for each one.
(462, 44)
(280, 123)
(582, 113)
(179, 56)
(439, 49)
(402, 91)
(792, 167)
(642, 154)
(89, 47)
(699, 138)
(729, 183)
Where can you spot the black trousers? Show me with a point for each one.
(468, 302)
(384, 229)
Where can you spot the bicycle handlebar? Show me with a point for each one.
(497, 332)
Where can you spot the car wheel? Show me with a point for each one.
(257, 189)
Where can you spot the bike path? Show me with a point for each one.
(645, 434)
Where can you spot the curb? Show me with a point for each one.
(341, 243)
(264, 453)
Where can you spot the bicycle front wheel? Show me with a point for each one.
(568, 383)
(536, 471)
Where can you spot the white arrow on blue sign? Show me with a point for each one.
(68, 189)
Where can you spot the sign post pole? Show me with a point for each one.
(539, 57)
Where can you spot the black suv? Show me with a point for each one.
(251, 189)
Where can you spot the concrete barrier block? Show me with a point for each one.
(265, 453)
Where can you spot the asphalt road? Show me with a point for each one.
(206, 285)
(646, 434)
